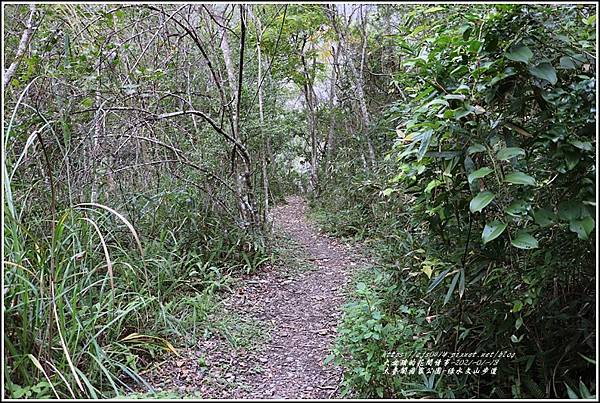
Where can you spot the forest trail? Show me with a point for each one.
(300, 308)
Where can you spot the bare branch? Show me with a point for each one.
(25, 38)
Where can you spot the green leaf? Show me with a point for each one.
(461, 283)
(572, 158)
(523, 240)
(475, 148)
(519, 178)
(517, 208)
(543, 217)
(591, 361)
(520, 54)
(432, 185)
(492, 231)
(591, 20)
(517, 306)
(509, 152)
(87, 103)
(460, 97)
(582, 227)
(461, 113)
(437, 101)
(328, 359)
(451, 288)
(545, 71)
(518, 323)
(66, 129)
(570, 210)
(360, 287)
(437, 280)
(570, 392)
(583, 390)
(480, 201)
(582, 145)
(480, 173)
(425, 140)
(567, 63)
(433, 9)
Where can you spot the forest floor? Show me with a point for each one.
(285, 318)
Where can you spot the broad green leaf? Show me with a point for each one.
(437, 280)
(583, 390)
(387, 191)
(543, 217)
(492, 231)
(479, 202)
(567, 63)
(570, 210)
(469, 164)
(591, 20)
(437, 101)
(87, 103)
(520, 53)
(518, 323)
(523, 240)
(570, 392)
(425, 140)
(462, 88)
(509, 152)
(517, 306)
(432, 185)
(582, 145)
(461, 113)
(509, 71)
(427, 270)
(582, 227)
(572, 158)
(544, 71)
(328, 359)
(451, 288)
(475, 46)
(475, 148)
(517, 208)
(480, 173)
(460, 97)
(519, 178)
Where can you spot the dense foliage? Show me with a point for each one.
(120, 224)
(144, 146)
(487, 216)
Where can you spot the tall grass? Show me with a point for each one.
(86, 308)
(66, 307)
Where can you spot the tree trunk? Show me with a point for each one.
(23, 43)
(309, 97)
(241, 161)
(330, 146)
(265, 137)
(358, 81)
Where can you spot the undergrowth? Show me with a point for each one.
(90, 301)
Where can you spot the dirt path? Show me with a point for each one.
(301, 309)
